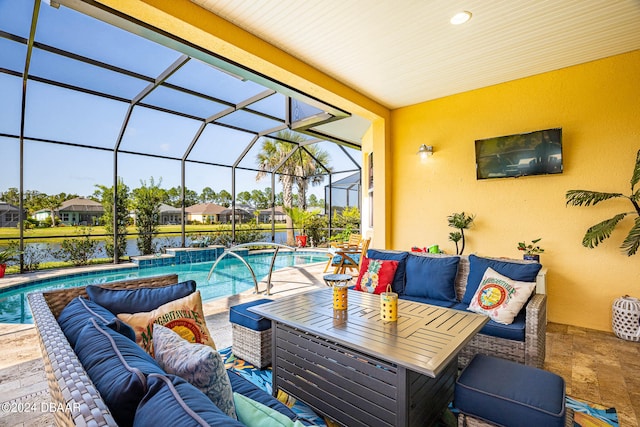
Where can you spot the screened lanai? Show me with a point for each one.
(91, 98)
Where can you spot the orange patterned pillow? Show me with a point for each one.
(184, 316)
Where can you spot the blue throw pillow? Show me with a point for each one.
(172, 401)
(118, 368)
(138, 300)
(432, 277)
(399, 279)
(77, 313)
(523, 272)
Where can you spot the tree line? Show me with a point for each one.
(35, 201)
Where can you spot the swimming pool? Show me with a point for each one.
(230, 277)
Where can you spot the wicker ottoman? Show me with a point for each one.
(251, 334)
(492, 391)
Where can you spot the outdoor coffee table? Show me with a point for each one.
(361, 371)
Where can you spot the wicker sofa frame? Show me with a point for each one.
(531, 351)
(69, 384)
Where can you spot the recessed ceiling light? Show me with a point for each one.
(460, 18)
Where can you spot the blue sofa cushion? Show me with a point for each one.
(248, 389)
(172, 401)
(139, 300)
(240, 315)
(431, 277)
(510, 394)
(76, 314)
(524, 272)
(400, 256)
(515, 331)
(438, 302)
(118, 368)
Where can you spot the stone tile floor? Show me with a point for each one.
(597, 366)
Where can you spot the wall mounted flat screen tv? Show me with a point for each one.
(533, 153)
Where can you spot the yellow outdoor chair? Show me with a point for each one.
(350, 259)
(352, 243)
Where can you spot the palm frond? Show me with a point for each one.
(632, 242)
(588, 198)
(601, 231)
(636, 172)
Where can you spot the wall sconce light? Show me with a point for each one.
(425, 151)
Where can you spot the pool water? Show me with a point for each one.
(230, 277)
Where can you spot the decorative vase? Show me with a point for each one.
(531, 257)
(626, 318)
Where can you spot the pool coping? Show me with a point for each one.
(14, 282)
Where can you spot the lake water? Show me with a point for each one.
(48, 249)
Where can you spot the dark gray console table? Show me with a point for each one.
(361, 371)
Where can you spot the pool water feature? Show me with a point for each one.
(230, 277)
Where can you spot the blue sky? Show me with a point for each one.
(60, 114)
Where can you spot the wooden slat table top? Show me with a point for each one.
(424, 339)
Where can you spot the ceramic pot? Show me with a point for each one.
(301, 241)
(531, 257)
(626, 318)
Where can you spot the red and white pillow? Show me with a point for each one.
(375, 275)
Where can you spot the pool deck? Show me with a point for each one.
(22, 377)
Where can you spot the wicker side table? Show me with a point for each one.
(251, 334)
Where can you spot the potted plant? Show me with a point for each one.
(603, 230)
(7, 255)
(461, 221)
(532, 251)
(299, 218)
(626, 309)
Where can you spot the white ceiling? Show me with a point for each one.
(402, 52)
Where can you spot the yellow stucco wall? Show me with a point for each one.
(598, 106)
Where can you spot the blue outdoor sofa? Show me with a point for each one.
(451, 281)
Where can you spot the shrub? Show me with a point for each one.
(79, 250)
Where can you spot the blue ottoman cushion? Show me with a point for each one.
(508, 393)
(240, 315)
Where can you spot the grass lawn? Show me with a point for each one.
(60, 233)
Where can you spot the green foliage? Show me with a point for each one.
(146, 204)
(348, 220)
(462, 222)
(80, 249)
(245, 233)
(300, 217)
(105, 195)
(531, 248)
(596, 234)
(9, 255)
(317, 229)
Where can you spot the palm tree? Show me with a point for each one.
(307, 171)
(52, 203)
(294, 169)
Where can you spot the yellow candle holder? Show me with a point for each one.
(389, 305)
(339, 317)
(340, 296)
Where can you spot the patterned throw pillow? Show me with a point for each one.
(184, 316)
(499, 297)
(375, 275)
(199, 364)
